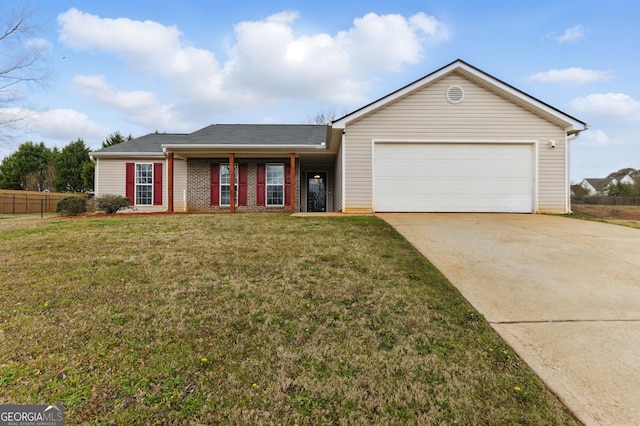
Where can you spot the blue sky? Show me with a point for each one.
(176, 66)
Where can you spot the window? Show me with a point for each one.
(225, 187)
(275, 184)
(144, 184)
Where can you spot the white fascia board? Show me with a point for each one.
(127, 154)
(231, 147)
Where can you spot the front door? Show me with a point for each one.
(317, 192)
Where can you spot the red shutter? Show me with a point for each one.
(157, 184)
(260, 184)
(215, 184)
(287, 184)
(130, 186)
(243, 170)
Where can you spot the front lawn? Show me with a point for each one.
(248, 319)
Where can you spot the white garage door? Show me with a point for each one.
(453, 177)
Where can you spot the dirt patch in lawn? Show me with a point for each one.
(608, 212)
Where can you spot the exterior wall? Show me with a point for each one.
(199, 186)
(338, 181)
(111, 179)
(179, 185)
(427, 114)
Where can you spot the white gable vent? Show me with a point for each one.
(455, 94)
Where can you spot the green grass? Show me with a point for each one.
(248, 319)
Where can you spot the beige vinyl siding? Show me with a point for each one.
(112, 180)
(179, 185)
(337, 179)
(427, 115)
(110, 177)
(552, 176)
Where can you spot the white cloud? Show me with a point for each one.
(572, 75)
(388, 42)
(64, 125)
(267, 61)
(146, 46)
(140, 107)
(436, 30)
(96, 87)
(571, 35)
(617, 105)
(39, 45)
(615, 124)
(596, 137)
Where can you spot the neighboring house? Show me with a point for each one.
(624, 179)
(595, 186)
(456, 140)
(600, 186)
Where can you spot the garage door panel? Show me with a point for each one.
(453, 177)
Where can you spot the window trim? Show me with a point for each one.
(283, 185)
(136, 184)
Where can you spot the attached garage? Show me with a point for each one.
(454, 177)
(457, 140)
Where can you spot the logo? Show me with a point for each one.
(31, 415)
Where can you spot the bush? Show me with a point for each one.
(72, 206)
(110, 203)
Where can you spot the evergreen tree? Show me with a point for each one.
(69, 166)
(31, 167)
(114, 139)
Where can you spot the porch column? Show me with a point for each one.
(232, 180)
(170, 181)
(292, 195)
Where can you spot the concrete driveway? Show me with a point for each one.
(563, 293)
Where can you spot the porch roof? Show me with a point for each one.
(245, 139)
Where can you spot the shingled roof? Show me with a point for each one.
(151, 143)
(598, 183)
(227, 134)
(261, 134)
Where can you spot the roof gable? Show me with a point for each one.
(598, 184)
(478, 77)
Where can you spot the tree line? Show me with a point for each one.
(35, 167)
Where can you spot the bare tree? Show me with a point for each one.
(21, 63)
(324, 117)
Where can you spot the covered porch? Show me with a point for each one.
(266, 179)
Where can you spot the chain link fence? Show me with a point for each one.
(606, 201)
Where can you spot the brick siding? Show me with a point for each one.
(199, 186)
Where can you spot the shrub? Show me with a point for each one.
(91, 205)
(72, 206)
(110, 203)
